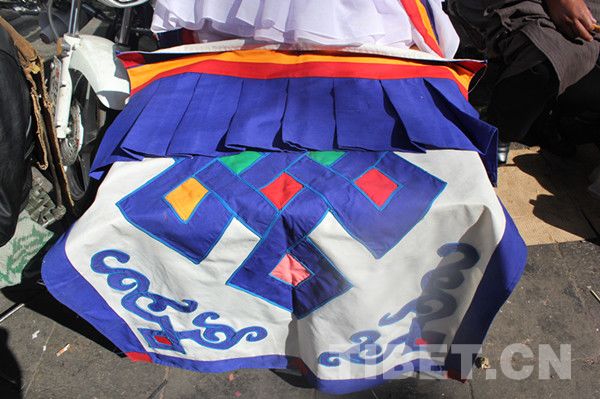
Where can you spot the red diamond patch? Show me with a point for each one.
(282, 190)
(376, 186)
(163, 340)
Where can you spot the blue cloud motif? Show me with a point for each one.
(448, 275)
(210, 335)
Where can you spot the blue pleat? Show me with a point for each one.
(203, 128)
(157, 123)
(482, 135)
(363, 121)
(309, 120)
(212, 115)
(425, 124)
(110, 149)
(257, 121)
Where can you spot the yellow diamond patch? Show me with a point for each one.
(185, 198)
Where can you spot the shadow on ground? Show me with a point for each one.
(10, 372)
(564, 201)
(38, 299)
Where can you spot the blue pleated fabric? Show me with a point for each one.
(212, 115)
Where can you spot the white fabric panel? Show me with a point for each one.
(467, 211)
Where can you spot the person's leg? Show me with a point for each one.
(518, 101)
(584, 96)
(579, 106)
(521, 101)
(524, 91)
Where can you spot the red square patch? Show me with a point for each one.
(376, 186)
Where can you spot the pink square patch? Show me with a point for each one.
(291, 271)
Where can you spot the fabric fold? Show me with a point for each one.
(203, 114)
(363, 121)
(110, 149)
(207, 119)
(161, 116)
(309, 119)
(257, 121)
(214, 104)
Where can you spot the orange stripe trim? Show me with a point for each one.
(415, 10)
(426, 20)
(315, 69)
(266, 64)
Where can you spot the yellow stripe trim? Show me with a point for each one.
(426, 21)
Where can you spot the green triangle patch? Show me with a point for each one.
(240, 162)
(326, 158)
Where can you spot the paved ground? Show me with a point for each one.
(551, 203)
(552, 305)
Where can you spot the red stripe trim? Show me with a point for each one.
(410, 6)
(311, 69)
(131, 60)
(471, 66)
(139, 357)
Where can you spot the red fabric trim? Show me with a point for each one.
(299, 365)
(455, 375)
(187, 36)
(131, 60)
(139, 357)
(311, 69)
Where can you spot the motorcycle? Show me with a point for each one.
(87, 84)
(23, 7)
(59, 116)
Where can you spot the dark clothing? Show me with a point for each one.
(507, 26)
(514, 111)
(540, 71)
(523, 104)
(584, 96)
(15, 111)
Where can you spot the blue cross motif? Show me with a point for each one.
(282, 197)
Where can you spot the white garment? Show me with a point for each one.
(324, 22)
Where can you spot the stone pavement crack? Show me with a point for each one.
(471, 389)
(158, 390)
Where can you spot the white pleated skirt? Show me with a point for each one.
(321, 22)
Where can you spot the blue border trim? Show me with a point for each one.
(502, 274)
(66, 284)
